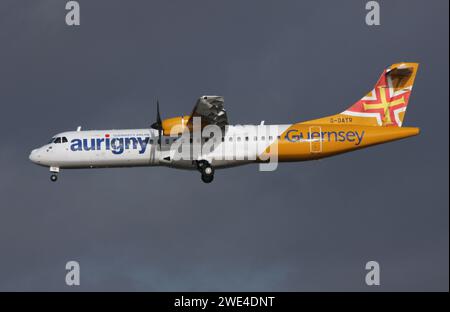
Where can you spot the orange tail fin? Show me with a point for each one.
(386, 104)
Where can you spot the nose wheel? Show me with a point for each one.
(206, 170)
(54, 171)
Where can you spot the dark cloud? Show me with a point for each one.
(306, 226)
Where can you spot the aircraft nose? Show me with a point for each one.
(34, 156)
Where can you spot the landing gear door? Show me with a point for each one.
(315, 139)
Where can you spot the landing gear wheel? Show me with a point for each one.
(207, 178)
(53, 177)
(206, 170)
(201, 164)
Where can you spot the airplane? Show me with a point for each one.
(205, 141)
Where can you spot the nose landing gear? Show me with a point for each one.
(54, 171)
(206, 170)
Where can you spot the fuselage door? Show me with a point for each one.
(315, 139)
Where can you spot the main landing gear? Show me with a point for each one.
(206, 170)
(53, 177)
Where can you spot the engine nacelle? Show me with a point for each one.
(175, 125)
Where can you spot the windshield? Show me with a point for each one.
(58, 140)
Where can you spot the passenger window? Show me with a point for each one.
(263, 138)
(270, 137)
(167, 141)
(58, 140)
(255, 138)
(230, 139)
(151, 141)
(239, 139)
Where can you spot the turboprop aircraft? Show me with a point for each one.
(205, 141)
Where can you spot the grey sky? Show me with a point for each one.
(307, 226)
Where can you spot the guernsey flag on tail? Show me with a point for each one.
(386, 104)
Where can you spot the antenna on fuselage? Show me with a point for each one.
(78, 128)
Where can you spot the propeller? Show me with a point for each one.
(158, 124)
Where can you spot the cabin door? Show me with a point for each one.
(315, 139)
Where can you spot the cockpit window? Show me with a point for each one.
(59, 140)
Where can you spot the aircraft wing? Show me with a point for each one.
(210, 109)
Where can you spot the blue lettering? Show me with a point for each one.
(76, 145)
(332, 133)
(99, 143)
(315, 134)
(115, 145)
(128, 141)
(360, 138)
(117, 148)
(143, 143)
(89, 148)
(293, 138)
(350, 136)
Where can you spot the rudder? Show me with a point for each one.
(386, 104)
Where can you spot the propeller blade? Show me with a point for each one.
(158, 115)
(158, 120)
(158, 124)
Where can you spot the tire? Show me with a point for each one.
(207, 178)
(207, 170)
(53, 177)
(201, 164)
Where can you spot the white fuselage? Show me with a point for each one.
(139, 147)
